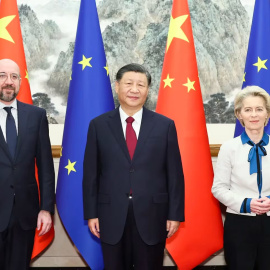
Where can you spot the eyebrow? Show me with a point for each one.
(10, 73)
(247, 107)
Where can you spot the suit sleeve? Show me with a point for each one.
(175, 177)
(44, 161)
(90, 174)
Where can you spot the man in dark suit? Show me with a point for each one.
(133, 184)
(24, 142)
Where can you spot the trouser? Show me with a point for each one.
(247, 242)
(16, 246)
(132, 252)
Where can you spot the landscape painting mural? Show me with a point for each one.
(136, 31)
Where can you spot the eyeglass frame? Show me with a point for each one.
(10, 76)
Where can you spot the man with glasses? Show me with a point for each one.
(24, 143)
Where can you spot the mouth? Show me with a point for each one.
(8, 88)
(7, 94)
(133, 98)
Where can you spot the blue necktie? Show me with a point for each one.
(11, 132)
(255, 156)
(255, 159)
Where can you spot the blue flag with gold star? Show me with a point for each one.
(90, 95)
(257, 62)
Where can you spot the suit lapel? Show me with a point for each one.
(4, 145)
(22, 125)
(115, 125)
(146, 126)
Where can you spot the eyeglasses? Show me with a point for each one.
(13, 76)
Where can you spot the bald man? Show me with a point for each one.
(24, 142)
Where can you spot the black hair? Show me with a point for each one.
(135, 68)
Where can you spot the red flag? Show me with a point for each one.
(180, 99)
(11, 47)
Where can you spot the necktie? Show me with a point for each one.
(11, 132)
(255, 156)
(131, 138)
(255, 159)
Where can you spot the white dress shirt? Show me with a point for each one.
(136, 123)
(233, 182)
(3, 116)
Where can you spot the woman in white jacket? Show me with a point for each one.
(242, 183)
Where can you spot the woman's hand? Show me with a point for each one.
(260, 206)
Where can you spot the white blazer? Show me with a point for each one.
(232, 181)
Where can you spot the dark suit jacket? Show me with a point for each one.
(155, 176)
(17, 176)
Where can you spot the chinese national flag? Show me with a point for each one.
(11, 47)
(180, 99)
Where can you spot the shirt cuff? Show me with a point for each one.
(245, 207)
(248, 205)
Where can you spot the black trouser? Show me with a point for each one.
(16, 246)
(132, 252)
(247, 242)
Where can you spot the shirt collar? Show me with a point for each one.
(13, 104)
(245, 138)
(137, 116)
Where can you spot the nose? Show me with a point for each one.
(253, 113)
(134, 89)
(8, 80)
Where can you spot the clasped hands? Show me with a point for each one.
(260, 206)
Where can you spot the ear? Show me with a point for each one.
(239, 116)
(116, 87)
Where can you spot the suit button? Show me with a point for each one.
(11, 186)
(131, 170)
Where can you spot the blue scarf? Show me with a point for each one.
(255, 156)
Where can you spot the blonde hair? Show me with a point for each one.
(254, 91)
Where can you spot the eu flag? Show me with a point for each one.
(90, 95)
(257, 62)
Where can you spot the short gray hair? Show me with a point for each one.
(254, 91)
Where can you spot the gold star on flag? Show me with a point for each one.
(189, 85)
(244, 77)
(26, 76)
(70, 166)
(4, 22)
(168, 81)
(175, 30)
(85, 62)
(107, 69)
(260, 64)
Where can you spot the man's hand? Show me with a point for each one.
(260, 206)
(172, 227)
(93, 225)
(44, 222)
